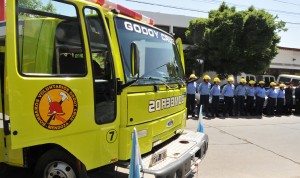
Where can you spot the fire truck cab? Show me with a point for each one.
(77, 79)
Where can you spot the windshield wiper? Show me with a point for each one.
(158, 79)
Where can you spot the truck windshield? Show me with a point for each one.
(159, 58)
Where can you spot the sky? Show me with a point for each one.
(286, 10)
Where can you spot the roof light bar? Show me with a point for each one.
(123, 10)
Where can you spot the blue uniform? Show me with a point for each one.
(272, 93)
(281, 94)
(260, 94)
(250, 91)
(228, 90)
(215, 93)
(191, 88)
(272, 96)
(215, 90)
(204, 88)
(240, 90)
(280, 101)
(190, 99)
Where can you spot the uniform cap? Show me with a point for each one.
(281, 85)
(272, 84)
(206, 77)
(193, 76)
(251, 82)
(261, 82)
(242, 80)
(216, 79)
(230, 79)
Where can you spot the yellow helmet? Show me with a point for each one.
(251, 82)
(272, 84)
(261, 82)
(242, 80)
(230, 79)
(216, 79)
(206, 77)
(193, 76)
(281, 85)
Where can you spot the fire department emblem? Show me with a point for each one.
(55, 107)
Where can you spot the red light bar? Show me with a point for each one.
(2, 10)
(123, 10)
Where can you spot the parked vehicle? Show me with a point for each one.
(266, 78)
(248, 77)
(288, 79)
(74, 83)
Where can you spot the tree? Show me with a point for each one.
(37, 5)
(231, 42)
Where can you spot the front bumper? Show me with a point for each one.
(183, 156)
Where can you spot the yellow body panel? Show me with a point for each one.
(2, 151)
(93, 144)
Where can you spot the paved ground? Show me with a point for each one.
(267, 147)
(251, 147)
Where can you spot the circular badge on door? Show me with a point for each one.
(55, 107)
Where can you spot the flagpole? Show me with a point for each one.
(200, 124)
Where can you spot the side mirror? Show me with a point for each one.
(135, 59)
(180, 49)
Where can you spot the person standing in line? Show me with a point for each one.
(260, 94)
(240, 92)
(289, 99)
(191, 91)
(250, 97)
(280, 100)
(297, 98)
(272, 96)
(228, 92)
(203, 90)
(215, 93)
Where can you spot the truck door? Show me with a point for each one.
(2, 157)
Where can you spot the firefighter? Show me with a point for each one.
(228, 92)
(260, 94)
(272, 96)
(215, 93)
(203, 90)
(240, 92)
(191, 90)
(280, 100)
(297, 98)
(250, 97)
(289, 99)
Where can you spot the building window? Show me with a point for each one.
(164, 28)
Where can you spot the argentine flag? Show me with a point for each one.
(135, 160)
(200, 124)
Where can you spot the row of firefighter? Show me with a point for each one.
(247, 98)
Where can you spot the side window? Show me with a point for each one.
(295, 82)
(50, 40)
(102, 66)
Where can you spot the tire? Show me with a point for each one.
(60, 164)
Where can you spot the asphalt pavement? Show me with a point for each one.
(267, 147)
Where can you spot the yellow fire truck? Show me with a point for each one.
(76, 80)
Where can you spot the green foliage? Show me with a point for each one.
(37, 5)
(231, 42)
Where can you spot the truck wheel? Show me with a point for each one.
(57, 163)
